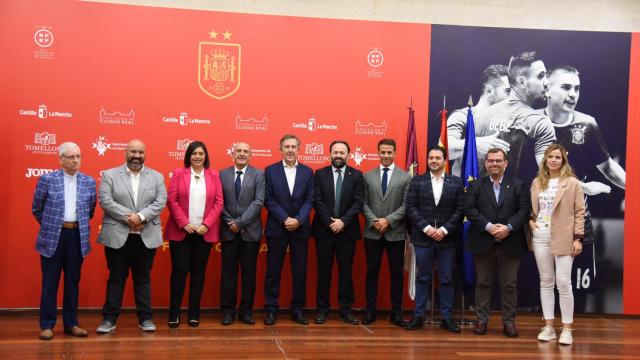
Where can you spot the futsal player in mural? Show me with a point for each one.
(495, 88)
(581, 136)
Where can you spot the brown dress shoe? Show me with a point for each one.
(46, 334)
(481, 328)
(509, 330)
(76, 331)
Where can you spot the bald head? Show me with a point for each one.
(241, 154)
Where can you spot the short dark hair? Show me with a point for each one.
(340, 142)
(492, 76)
(390, 142)
(519, 65)
(438, 148)
(497, 150)
(289, 136)
(191, 148)
(564, 68)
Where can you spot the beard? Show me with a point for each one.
(338, 163)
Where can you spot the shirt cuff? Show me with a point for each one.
(488, 226)
(426, 228)
(510, 227)
(444, 230)
(142, 218)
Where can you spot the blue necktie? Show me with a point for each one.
(336, 206)
(238, 184)
(385, 179)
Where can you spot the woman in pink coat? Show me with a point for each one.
(557, 226)
(195, 202)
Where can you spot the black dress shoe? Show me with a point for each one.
(247, 319)
(349, 319)
(174, 321)
(270, 319)
(509, 330)
(320, 318)
(450, 326)
(416, 322)
(369, 318)
(227, 319)
(299, 318)
(481, 328)
(397, 320)
(194, 322)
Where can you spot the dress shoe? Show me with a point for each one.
(369, 318)
(349, 319)
(247, 319)
(397, 320)
(509, 330)
(320, 318)
(415, 323)
(174, 321)
(481, 328)
(270, 319)
(450, 326)
(299, 318)
(46, 334)
(76, 331)
(227, 319)
(193, 322)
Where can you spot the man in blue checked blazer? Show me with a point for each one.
(63, 204)
(435, 205)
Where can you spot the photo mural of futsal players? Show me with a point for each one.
(581, 136)
(515, 119)
(495, 88)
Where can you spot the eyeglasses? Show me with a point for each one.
(495, 161)
(71, 157)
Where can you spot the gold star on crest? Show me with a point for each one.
(227, 35)
(213, 34)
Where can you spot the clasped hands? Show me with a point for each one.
(200, 230)
(435, 234)
(499, 231)
(134, 222)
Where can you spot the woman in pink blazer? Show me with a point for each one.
(195, 202)
(557, 228)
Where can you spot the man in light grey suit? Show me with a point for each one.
(240, 232)
(132, 197)
(386, 189)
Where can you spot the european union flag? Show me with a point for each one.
(469, 173)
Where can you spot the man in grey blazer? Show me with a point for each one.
(132, 197)
(386, 189)
(240, 232)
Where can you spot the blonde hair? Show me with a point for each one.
(543, 171)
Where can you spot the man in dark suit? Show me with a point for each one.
(63, 204)
(240, 232)
(434, 206)
(498, 209)
(386, 189)
(339, 198)
(289, 195)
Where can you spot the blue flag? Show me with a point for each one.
(469, 173)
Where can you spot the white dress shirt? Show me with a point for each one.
(290, 173)
(389, 172)
(437, 182)
(70, 194)
(135, 187)
(197, 198)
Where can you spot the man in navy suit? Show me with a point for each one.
(434, 206)
(339, 198)
(63, 204)
(288, 199)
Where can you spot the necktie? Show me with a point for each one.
(336, 206)
(385, 179)
(496, 190)
(237, 184)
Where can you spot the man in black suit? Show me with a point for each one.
(498, 209)
(434, 206)
(339, 197)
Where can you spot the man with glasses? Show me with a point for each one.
(63, 204)
(498, 208)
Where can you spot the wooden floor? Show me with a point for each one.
(595, 338)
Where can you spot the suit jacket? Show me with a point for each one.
(512, 208)
(247, 209)
(48, 209)
(281, 204)
(567, 215)
(391, 206)
(351, 202)
(116, 200)
(178, 204)
(423, 211)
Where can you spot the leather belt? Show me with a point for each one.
(69, 224)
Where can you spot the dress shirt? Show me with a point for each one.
(290, 173)
(135, 186)
(244, 171)
(437, 182)
(390, 167)
(70, 194)
(335, 174)
(197, 197)
(496, 192)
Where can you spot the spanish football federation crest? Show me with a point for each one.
(577, 135)
(219, 67)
